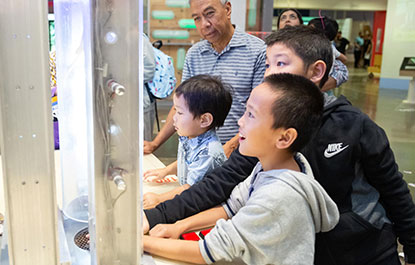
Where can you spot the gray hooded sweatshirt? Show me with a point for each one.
(274, 216)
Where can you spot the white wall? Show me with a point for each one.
(238, 16)
(399, 39)
(372, 5)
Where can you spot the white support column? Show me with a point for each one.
(238, 15)
(27, 135)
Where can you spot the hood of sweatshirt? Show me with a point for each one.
(332, 103)
(324, 210)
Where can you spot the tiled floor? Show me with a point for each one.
(382, 105)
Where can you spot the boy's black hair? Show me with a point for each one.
(307, 43)
(327, 25)
(300, 17)
(299, 106)
(205, 93)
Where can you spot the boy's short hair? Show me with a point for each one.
(205, 93)
(327, 25)
(307, 43)
(299, 106)
(300, 17)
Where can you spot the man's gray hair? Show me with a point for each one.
(222, 1)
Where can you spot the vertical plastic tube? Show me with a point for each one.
(74, 82)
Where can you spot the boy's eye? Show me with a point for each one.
(250, 115)
(280, 63)
(266, 65)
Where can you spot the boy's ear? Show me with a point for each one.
(316, 71)
(206, 120)
(286, 138)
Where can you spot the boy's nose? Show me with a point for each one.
(240, 121)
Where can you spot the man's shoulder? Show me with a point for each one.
(249, 40)
(198, 47)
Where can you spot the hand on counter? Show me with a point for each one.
(166, 231)
(160, 173)
(155, 174)
(150, 200)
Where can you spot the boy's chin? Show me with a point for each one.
(244, 150)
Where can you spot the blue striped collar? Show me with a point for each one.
(238, 39)
(196, 142)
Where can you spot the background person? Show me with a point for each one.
(237, 57)
(289, 17)
(342, 43)
(358, 45)
(367, 50)
(149, 104)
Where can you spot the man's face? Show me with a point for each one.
(281, 59)
(212, 19)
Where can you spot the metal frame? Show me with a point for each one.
(115, 189)
(27, 135)
(267, 15)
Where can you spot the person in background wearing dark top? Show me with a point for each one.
(350, 157)
(289, 17)
(358, 45)
(341, 43)
(367, 50)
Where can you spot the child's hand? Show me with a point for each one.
(166, 231)
(155, 174)
(150, 200)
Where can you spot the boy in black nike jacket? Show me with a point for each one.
(350, 157)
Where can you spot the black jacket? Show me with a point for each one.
(351, 158)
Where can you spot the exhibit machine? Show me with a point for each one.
(99, 73)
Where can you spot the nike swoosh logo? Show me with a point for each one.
(328, 155)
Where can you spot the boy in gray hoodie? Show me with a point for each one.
(272, 217)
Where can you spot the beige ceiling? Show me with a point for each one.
(362, 5)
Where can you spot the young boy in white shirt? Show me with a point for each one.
(272, 217)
